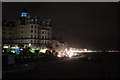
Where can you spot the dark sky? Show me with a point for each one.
(90, 25)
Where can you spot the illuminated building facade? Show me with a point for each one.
(59, 44)
(28, 30)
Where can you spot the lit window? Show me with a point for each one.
(31, 19)
(35, 19)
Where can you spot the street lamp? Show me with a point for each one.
(29, 44)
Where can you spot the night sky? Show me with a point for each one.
(84, 25)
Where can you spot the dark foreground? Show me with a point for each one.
(88, 66)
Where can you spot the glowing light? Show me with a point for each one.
(75, 54)
(17, 50)
(32, 50)
(14, 47)
(29, 44)
(43, 50)
(21, 49)
(5, 47)
(89, 58)
(85, 50)
(59, 56)
(70, 55)
(70, 48)
(24, 14)
(13, 51)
